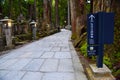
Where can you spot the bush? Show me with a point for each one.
(83, 49)
(107, 61)
(24, 36)
(53, 31)
(117, 74)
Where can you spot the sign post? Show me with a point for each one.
(100, 28)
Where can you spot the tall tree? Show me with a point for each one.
(49, 11)
(1, 1)
(35, 12)
(73, 16)
(57, 14)
(10, 9)
(45, 13)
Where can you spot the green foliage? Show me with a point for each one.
(24, 37)
(118, 56)
(87, 8)
(107, 61)
(117, 73)
(83, 49)
(63, 11)
(30, 1)
(53, 31)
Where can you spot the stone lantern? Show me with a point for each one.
(7, 24)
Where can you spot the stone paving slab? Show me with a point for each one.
(3, 73)
(78, 68)
(48, 55)
(64, 48)
(2, 61)
(31, 54)
(33, 76)
(59, 76)
(65, 65)
(13, 75)
(8, 63)
(34, 65)
(62, 55)
(50, 65)
(19, 64)
(50, 58)
(57, 49)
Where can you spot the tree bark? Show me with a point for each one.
(56, 12)
(69, 12)
(0, 9)
(35, 12)
(30, 11)
(45, 13)
(50, 11)
(73, 16)
(10, 9)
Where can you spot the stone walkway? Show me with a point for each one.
(51, 58)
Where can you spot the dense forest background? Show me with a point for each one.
(53, 13)
(50, 15)
(40, 10)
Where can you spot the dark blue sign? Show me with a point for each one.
(100, 31)
(92, 29)
(92, 50)
(108, 27)
(92, 34)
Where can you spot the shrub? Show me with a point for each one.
(83, 49)
(107, 61)
(25, 36)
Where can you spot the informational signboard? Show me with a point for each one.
(92, 28)
(92, 50)
(92, 31)
(108, 27)
(100, 31)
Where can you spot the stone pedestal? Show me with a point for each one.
(95, 73)
(34, 33)
(8, 38)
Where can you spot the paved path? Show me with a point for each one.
(51, 58)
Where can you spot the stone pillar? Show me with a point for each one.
(8, 36)
(34, 32)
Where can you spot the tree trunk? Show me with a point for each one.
(73, 16)
(10, 9)
(20, 8)
(69, 12)
(56, 12)
(35, 12)
(30, 11)
(45, 13)
(50, 11)
(0, 10)
(46, 17)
